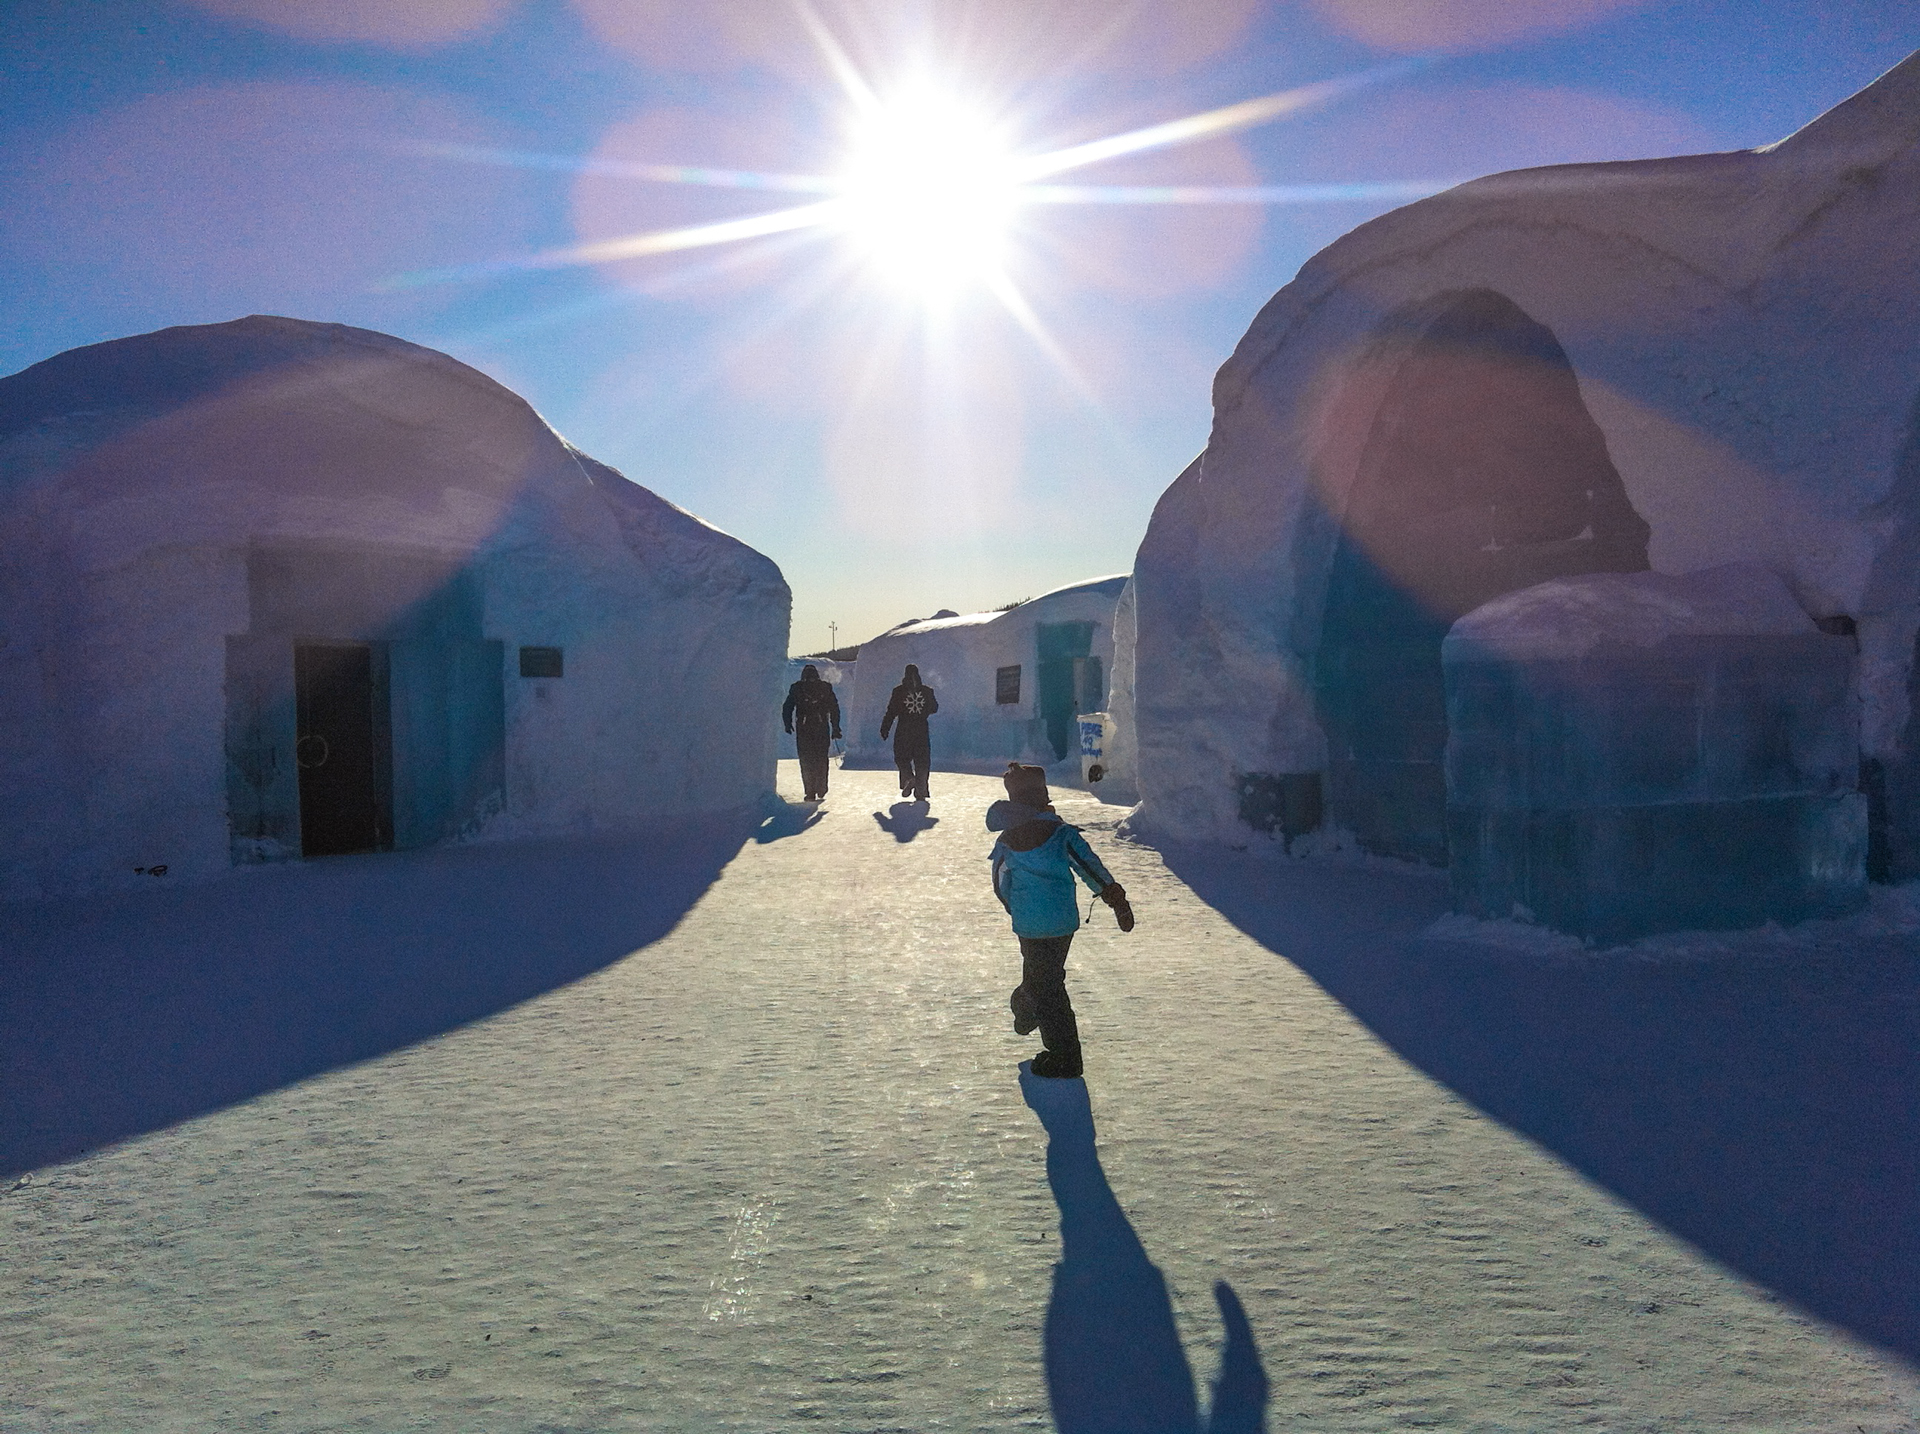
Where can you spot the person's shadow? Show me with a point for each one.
(906, 820)
(1113, 1357)
(784, 819)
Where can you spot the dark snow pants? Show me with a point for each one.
(912, 754)
(814, 750)
(1043, 971)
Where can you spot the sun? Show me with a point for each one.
(931, 186)
(928, 192)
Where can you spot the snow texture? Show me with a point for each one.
(1745, 332)
(960, 657)
(737, 1141)
(1892, 913)
(181, 506)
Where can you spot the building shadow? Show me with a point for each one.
(1113, 1358)
(128, 1013)
(1757, 1099)
(906, 820)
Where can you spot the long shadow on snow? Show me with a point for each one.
(128, 1013)
(1112, 1354)
(1760, 1105)
(906, 820)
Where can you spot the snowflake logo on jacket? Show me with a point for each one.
(914, 704)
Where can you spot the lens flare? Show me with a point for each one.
(928, 192)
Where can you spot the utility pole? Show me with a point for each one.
(833, 630)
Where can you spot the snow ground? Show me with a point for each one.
(775, 1170)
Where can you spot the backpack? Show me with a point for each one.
(813, 701)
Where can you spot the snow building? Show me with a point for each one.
(1586, 376)
(281, 589)
(1010, 683)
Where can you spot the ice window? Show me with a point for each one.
(1006, 684)
(540, 662)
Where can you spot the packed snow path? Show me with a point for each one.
(775, 1171)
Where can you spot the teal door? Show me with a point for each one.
(449, 736)
(1064, 649)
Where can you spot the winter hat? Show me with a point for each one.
(911, 678)
(809, 671)
(1027, 784)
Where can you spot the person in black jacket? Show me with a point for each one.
(912, 703)
(812, 713)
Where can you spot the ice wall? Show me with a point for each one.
(1632, 753)
(1743, 334)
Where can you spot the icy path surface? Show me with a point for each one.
(775, 1171)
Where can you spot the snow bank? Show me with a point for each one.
(1890, 912)
(542, 645)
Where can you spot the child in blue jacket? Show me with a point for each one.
(1035, 862)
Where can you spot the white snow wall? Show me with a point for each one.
(1745, 331)
(146, 483)
(960, 658)
(1122, 757)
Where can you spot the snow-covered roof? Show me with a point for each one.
(1111, 584)
(940, 624)
(1107, 586)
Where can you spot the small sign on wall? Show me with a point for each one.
(1006, 684)
(540, 662)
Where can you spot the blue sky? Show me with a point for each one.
(898, 442)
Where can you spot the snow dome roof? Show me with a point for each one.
(316, 409)
(175, 366)
(269, 427)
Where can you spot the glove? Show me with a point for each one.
(1115, 895)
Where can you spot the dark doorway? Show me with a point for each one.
(1063, 651)
(1481, 472)
(336, 748)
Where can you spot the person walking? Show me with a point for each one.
(907, 712)
(812, 713)
(1035, 862)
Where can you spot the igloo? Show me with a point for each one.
(1569, 375)
(280, 589)
(1010, 683)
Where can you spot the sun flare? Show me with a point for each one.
(928, 192)
(932, 182)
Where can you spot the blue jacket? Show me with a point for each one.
(1036, 885)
